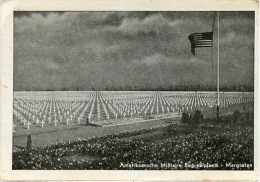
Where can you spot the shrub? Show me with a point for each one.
(185, 118)
(29, 142)
(197, 117)
(235, 116)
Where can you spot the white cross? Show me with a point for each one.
(49, 118)
(24, 121)
(33, 117)
(37, 120)
(79, 118)
(42, 123)
(61, 118)
(28, 125)
(14, 127)
(67, 120)
(55, 121)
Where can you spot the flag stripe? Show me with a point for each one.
(197, 40)
(201, 44)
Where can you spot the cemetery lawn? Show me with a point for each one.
(50, 134)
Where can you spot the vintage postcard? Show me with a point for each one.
(129, 90)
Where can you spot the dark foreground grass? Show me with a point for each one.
(71, 133)
(227, 144)
(50, 135)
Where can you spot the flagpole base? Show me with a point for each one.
(218, 113)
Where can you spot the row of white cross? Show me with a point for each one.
(106, 104)
(116, 106)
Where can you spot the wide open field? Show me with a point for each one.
(209, 145)
(62, 116)
(66, 133)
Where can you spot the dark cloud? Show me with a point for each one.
(53, 50)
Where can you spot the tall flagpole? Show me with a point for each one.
(218, 73)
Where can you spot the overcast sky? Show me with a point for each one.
(53, 50)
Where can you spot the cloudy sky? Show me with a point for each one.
(86, 50)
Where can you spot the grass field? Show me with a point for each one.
(51, 135)
(72, 132)
(157, 138)
(162, 144)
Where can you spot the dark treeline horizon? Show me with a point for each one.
(226, 88)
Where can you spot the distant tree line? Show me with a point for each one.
(236, 117)
(180, 87)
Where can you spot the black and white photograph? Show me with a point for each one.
(129, 90)
(133, 90)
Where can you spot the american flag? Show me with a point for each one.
(204, 39)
